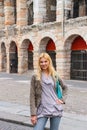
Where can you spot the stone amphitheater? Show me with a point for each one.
(58, 27)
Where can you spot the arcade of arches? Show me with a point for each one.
(58, 27)
(20, 59)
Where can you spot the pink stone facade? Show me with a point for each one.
(26, 21)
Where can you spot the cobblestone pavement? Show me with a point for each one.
(16, 88)
(77, 101)
(12, 126)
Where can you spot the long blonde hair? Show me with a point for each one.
(51, 69)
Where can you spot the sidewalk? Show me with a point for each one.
(14, 102)
(21, 114)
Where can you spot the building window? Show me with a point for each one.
(76, 9)
(30, 12)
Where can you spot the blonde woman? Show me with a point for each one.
(44, 103)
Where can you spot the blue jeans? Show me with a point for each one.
(41, 122)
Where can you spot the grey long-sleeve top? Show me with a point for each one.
(48, 106)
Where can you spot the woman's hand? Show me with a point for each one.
(34, 119)
(58, 101)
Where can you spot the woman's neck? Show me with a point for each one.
(45, 72)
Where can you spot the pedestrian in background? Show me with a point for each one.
(44, 103)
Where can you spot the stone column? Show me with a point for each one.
(22, 60)
(72, 11)
(22, 12)
(8, 60)
(9, 12)
(0, 61)
(59, 10)
(1, 14)
(39, 11)
(35, 60)
(63, 63)
(63, 9)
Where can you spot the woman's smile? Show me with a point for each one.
(44, 63)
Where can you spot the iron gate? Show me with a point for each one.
(30, 60)
(79, 65)
(13, 62)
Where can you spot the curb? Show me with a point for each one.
(16, 119)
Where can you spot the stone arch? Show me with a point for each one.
(13, 57)
(67, 52)
(30, 57)
(25, 38)
(68, 41)
(48, 45)
(71, 35)
(27, 55)
(3, 57)
(73, 47)
(79, 59)
(48, 36)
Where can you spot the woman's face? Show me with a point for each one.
(44, 64)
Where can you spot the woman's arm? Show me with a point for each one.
(64, 88)
(32, 96)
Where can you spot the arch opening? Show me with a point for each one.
(79, 59)
(48, 45)
(3, 57)
(30, 57)
(51, 10)
(50, 49)
(13, 56)
(27, 57)
(30, 12)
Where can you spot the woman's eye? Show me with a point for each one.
(43, 62)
